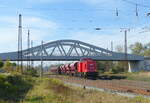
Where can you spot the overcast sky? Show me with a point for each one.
(50, 20)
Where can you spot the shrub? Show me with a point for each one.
(1, 64)
(31, 72)
(13, 87)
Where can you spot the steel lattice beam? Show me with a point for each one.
(76, 50)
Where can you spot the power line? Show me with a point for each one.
(134, 3)
(69, 9)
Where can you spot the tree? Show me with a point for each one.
(8, 66)
(147, 49)
(147, 52)
(119, 66)
(140, 49)
(1, 63)
(14, 64)
(101, 66)
(137, 48)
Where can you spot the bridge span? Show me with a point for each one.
(69, 50)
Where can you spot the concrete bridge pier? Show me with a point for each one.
(135, 66)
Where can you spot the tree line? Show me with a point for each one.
(122, 66)
(11, 67)
(140, 49)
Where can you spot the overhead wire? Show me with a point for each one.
(134, 3)
(91, 20)
(117, 11)
(69, 9)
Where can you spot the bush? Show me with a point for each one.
(1, 64)
(117, 69)
(13, 87)
(8, 66)
(31, 72)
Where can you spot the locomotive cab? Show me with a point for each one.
(87, 67)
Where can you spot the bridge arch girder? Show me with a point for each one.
(68, 50)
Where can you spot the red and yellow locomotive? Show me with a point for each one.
(86, 68)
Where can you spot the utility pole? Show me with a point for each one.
(125, 44)
(32, 63)
(20, 63)
(28, 47)
(41, 72)
(111, 62)
(125, 30)
(111, 45)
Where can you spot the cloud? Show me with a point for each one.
(91, 2)
(46, 1)
(86, 1)
(105, 4)
(33, 22)
(104, 39)
(99, 39)
(95, 1)
(40, 29)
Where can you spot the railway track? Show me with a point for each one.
(129, 86)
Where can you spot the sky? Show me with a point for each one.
(50, 20)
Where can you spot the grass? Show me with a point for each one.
(54, 91)
(137, 76)
(50, 90)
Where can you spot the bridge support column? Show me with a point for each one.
(135, 66)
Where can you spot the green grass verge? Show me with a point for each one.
(50, 90)
(54, 91)
(137, 76)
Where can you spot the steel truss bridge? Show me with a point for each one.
(68, 50)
